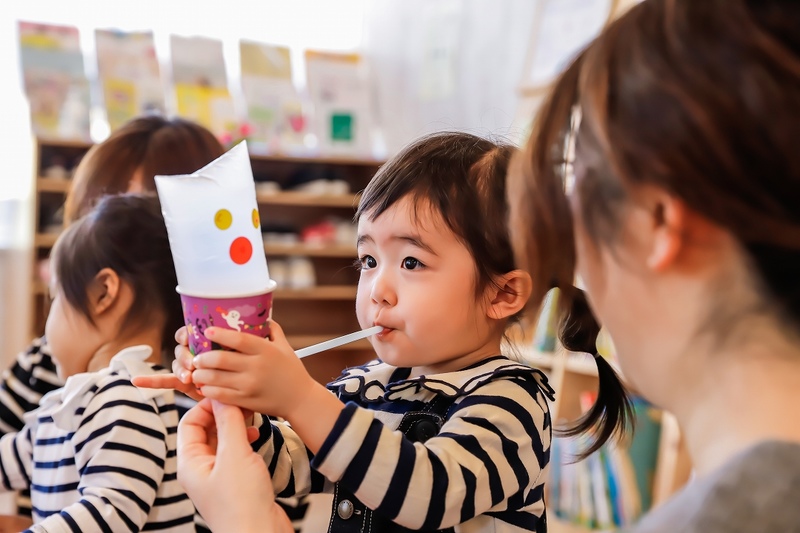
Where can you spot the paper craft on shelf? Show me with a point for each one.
(54, 80)
(275, 111)
(339, 90)
(201, 85)
(127, 66)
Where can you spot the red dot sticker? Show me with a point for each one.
(241, 250)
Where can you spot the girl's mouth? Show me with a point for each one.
(384, 333)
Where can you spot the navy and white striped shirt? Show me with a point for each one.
(100, 454)
(484, 471)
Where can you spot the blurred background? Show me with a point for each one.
(323, 91)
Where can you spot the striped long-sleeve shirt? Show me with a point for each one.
(484, 471)
(33, 375)
(100, 455)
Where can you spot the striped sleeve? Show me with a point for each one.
(287, 458)
(120, 453)
(488, 457)
(22, 386)
(16, 460)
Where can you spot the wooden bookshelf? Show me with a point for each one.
(307, 315)
(570, 374)
(45, 240)
(57, 185)
(302, 341)
(310, 250)
(299, 199)
(320, 292)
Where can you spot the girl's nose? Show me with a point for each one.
(383, 289)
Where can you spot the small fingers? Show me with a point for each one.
(157, 381)
(235, 340)
(220, 378)
(181, 337)
(183, 363)
(221, 360)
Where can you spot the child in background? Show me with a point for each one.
(442, 431)
(99, 453)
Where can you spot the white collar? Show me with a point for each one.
(130, 362)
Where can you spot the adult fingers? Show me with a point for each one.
(231, 432)
(194, 430)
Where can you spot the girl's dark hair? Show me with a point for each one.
(152, 145)
(127, 234)
(463, 178)
(700, 99)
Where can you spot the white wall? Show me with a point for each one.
(447, 64)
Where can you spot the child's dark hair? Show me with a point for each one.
(127, 234)
(612, 412)
(462, 176)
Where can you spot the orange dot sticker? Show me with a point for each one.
(241, 250)
(223, 219)
(256, 219)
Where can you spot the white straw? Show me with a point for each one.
(338, 341)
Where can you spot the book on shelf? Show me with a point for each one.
(612, 487)
(545, 335)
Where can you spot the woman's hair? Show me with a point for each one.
(461, 177)
(698, 98)
(127, 234)
(152, 145)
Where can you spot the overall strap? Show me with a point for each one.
(349, 515)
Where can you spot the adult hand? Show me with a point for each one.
(227, 481)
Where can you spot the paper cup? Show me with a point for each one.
(250, 314)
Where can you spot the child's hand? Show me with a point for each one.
(181, 378)
(261, 374)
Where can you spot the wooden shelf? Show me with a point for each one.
(64, 143)
(301, 341)
(45, 240)
(576, 363)
(558, 525)
(306, 315)
(321, 292)
(319, 160)
(53, 185)
(335, 250)
(295, 198)
(39, 288)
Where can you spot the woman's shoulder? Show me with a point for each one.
(751, 492)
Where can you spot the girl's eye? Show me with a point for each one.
(366, 262)
(410, 263)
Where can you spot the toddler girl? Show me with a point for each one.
(442, 431)
(99, 453)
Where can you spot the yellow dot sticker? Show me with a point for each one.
(223, 219)
(256, 219)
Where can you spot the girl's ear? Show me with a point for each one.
(103, 291)
(509, 294)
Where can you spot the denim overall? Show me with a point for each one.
(349, 515)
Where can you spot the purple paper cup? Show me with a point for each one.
(250, 314)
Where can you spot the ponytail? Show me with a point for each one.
(612, 413)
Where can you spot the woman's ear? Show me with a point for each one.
(509, 294)
(103, 291)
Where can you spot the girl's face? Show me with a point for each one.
(72, 339)
(418, 281)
